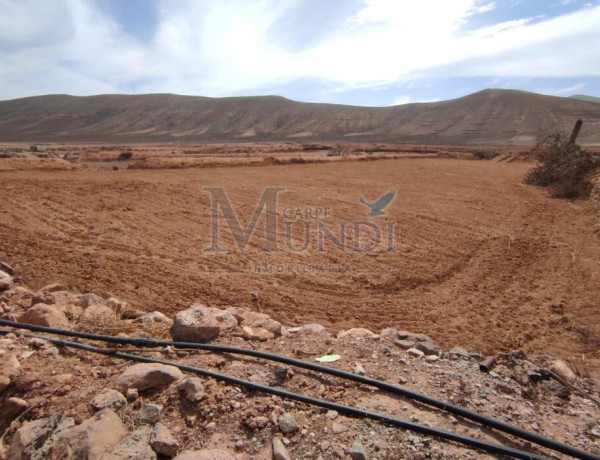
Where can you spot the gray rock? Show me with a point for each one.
(459, 352)
(415, 352)
(133, 447)
(429, 348)
(389, 333)
(357, 332)
(250, 318)
(34, 439)
(90, 440)
(287, 423)
(279, 450)
(257, 333)
(422, 338)
(404, 335)
(99, 314)
(162, 441)
(52, 351)
(196, 324)
(225, 319)
(337, 428)
(109, 399)
(192, 389)
(88, 300)
(357, 451)
(154, 317)
(144, 376)
(274, 327)
(254, 319)
(332, 414)
(257, 422)
(309, 329)
(359, 369)
(405, 344)
(150, 413)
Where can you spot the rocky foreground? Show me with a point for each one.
(61, 403)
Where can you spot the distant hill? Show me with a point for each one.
(583, 97)
(489, 116)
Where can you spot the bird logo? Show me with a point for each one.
(377, 207)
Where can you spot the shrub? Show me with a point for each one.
(563, 166)
(485, 154)
(125, 156)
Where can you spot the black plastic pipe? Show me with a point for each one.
(451, 408)
(348, 410)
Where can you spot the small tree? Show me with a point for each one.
(562, 165)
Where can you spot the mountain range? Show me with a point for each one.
(488, 116)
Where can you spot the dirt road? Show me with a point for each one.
(480, 259)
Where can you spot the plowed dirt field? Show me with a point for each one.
(480, 259)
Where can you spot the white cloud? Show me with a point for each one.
(73, 49)
(27, 21)
(219, 47)
(569, 90)
(567, 45)
(405, 99)
(222, 48)
(434, 13)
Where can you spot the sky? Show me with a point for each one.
(360, 52)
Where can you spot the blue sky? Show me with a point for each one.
(363, 52)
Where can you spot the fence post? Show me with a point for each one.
(575, 131)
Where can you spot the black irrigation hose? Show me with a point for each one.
(348, 410)
(453, 409)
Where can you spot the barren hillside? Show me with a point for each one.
(584, 97)
(495, 116)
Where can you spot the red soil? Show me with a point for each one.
(482, 260)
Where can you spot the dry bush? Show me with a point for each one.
(292, 160)
(563, 166)
(125, 156)
(485, 154)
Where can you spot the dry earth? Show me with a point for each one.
(482, 260)
(111, 409)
